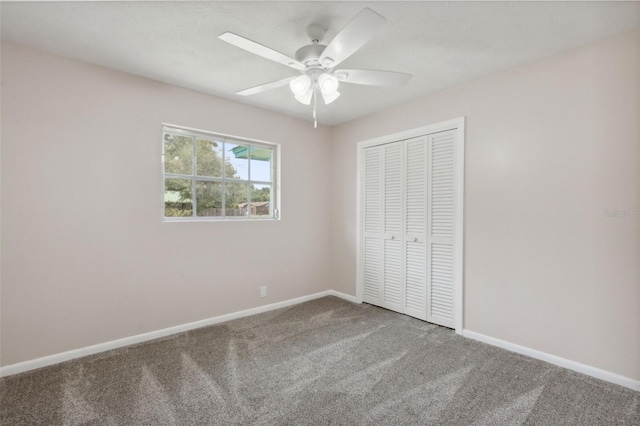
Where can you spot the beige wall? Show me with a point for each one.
(85, 256)
(549, 147)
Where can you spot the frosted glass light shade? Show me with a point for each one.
(306, 97)
(328, 84)
(300, 85)
(330, 97)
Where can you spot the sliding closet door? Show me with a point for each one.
(441, 227)
(415, 237)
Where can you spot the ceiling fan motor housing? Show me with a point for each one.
(309, 54)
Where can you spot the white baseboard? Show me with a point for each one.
(144, 337)
(607, 376)
(347, 297)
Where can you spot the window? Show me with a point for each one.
(214, 177)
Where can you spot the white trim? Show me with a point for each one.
(458, 243)
(459, 125)
(347, 297)
(145, 337)
(188, 131)
(412, 133)
(359, 226)
(598, 373)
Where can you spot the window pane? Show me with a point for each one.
(236, 199)
(177, 198)
(261, 201)
(260, 164)
(237, 161)
(178, 154)
(208, 198)
(209, 158)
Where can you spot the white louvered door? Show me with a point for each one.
(373, 222)
(383, 209)
(441, 223)
(393, 183)
(415, 238)
(408, 222)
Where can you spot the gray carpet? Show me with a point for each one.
(325, 362)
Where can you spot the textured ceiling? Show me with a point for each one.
(441, 43)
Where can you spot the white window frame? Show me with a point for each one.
(274, 183)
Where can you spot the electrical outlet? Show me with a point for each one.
(263, 291)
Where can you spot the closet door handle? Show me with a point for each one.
(393, 237)
(415, 240)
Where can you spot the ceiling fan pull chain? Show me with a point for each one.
(315, 104)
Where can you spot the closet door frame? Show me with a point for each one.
(457, 124)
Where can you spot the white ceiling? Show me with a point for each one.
(441, 43)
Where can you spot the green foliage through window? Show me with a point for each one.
(228, 178)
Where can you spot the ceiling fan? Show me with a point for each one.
(316, 62)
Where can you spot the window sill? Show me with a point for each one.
(204, 219)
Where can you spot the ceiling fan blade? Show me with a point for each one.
(373, 77)
(264, 87)
(351, 38)
(260, 50)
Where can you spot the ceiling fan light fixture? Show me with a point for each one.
(305, 98)
(300, 85)
(329, 97)
(328, 84)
